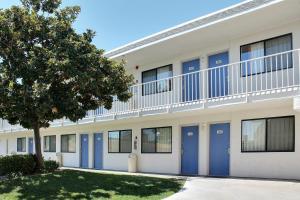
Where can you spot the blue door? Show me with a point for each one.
(218, 76)
(219, 149)
(98, 150)
(191, 86)
(30, 145)
(84, 150)
(189, 150)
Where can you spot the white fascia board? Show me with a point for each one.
(189, 30)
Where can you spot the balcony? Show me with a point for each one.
(268, 77)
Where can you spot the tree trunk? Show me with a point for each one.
(38, 151)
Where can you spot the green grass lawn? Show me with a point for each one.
(69, 184)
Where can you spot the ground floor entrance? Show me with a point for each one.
(219, 149)
(189, 150)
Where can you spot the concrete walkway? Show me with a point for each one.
(202, 188)
(207, 188)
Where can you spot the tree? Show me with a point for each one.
(48, 71)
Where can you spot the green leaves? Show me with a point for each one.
(45, 64)
(41, 5)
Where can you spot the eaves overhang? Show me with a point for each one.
(196, 24)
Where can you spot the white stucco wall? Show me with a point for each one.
(269, 165)
(3, 146)
(264, 164)
(232, 46)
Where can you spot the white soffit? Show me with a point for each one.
(201, 22)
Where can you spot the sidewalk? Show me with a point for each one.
(207, 188)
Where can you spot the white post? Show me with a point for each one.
(246, 74)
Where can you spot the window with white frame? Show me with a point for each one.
(269, 135)
(50, 143)
(157, 80)
(253, 63)
(21, 144)
(120, 141)
(157, 140)
(68, 143)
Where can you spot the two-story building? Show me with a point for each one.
(217, 95)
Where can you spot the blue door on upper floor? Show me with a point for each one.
(218, 75)
(30, 145)
(189, 150)
(219, 149)
(191, 80)
(84, 146)
(98, 151)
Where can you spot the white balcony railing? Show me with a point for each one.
(272, 76)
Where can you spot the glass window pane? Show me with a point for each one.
(163, 73)
(149, 76)
(46, 143)
(64, 143)
(148, 140)
(249, 52)
(125, 141)
(281, 134)
(279, 45)
(164, 140)
(18, 144)
(52, 143)
(253, 135)
(23, 144)
(72, 143)
(113, 141)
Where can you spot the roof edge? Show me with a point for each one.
(191, 25)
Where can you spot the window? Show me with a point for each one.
(157, 140)
(50, 143)
(265, 48)
(254, 135)
(156, 80)
(268, 135)
(68, 143)
(120, 141)
(21, 144)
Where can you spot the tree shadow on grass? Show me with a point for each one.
(70, 184)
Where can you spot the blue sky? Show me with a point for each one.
(118, 22)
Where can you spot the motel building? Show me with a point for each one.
(216, 96)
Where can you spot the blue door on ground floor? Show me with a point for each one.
(189, 150)
(218, 75)
(219, 149)
(191, 80)
(98, 151)
(30, 145)
(84, 162)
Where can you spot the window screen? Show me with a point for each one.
(270, 134)
(280, 134)
(21, 144)
(254, 136)
(269, 48)
(50, 143)
(68, 143)
(157, 140)
(156, 80)
(148, 140)
(120, 141)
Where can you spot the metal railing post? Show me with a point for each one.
(246, 74)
